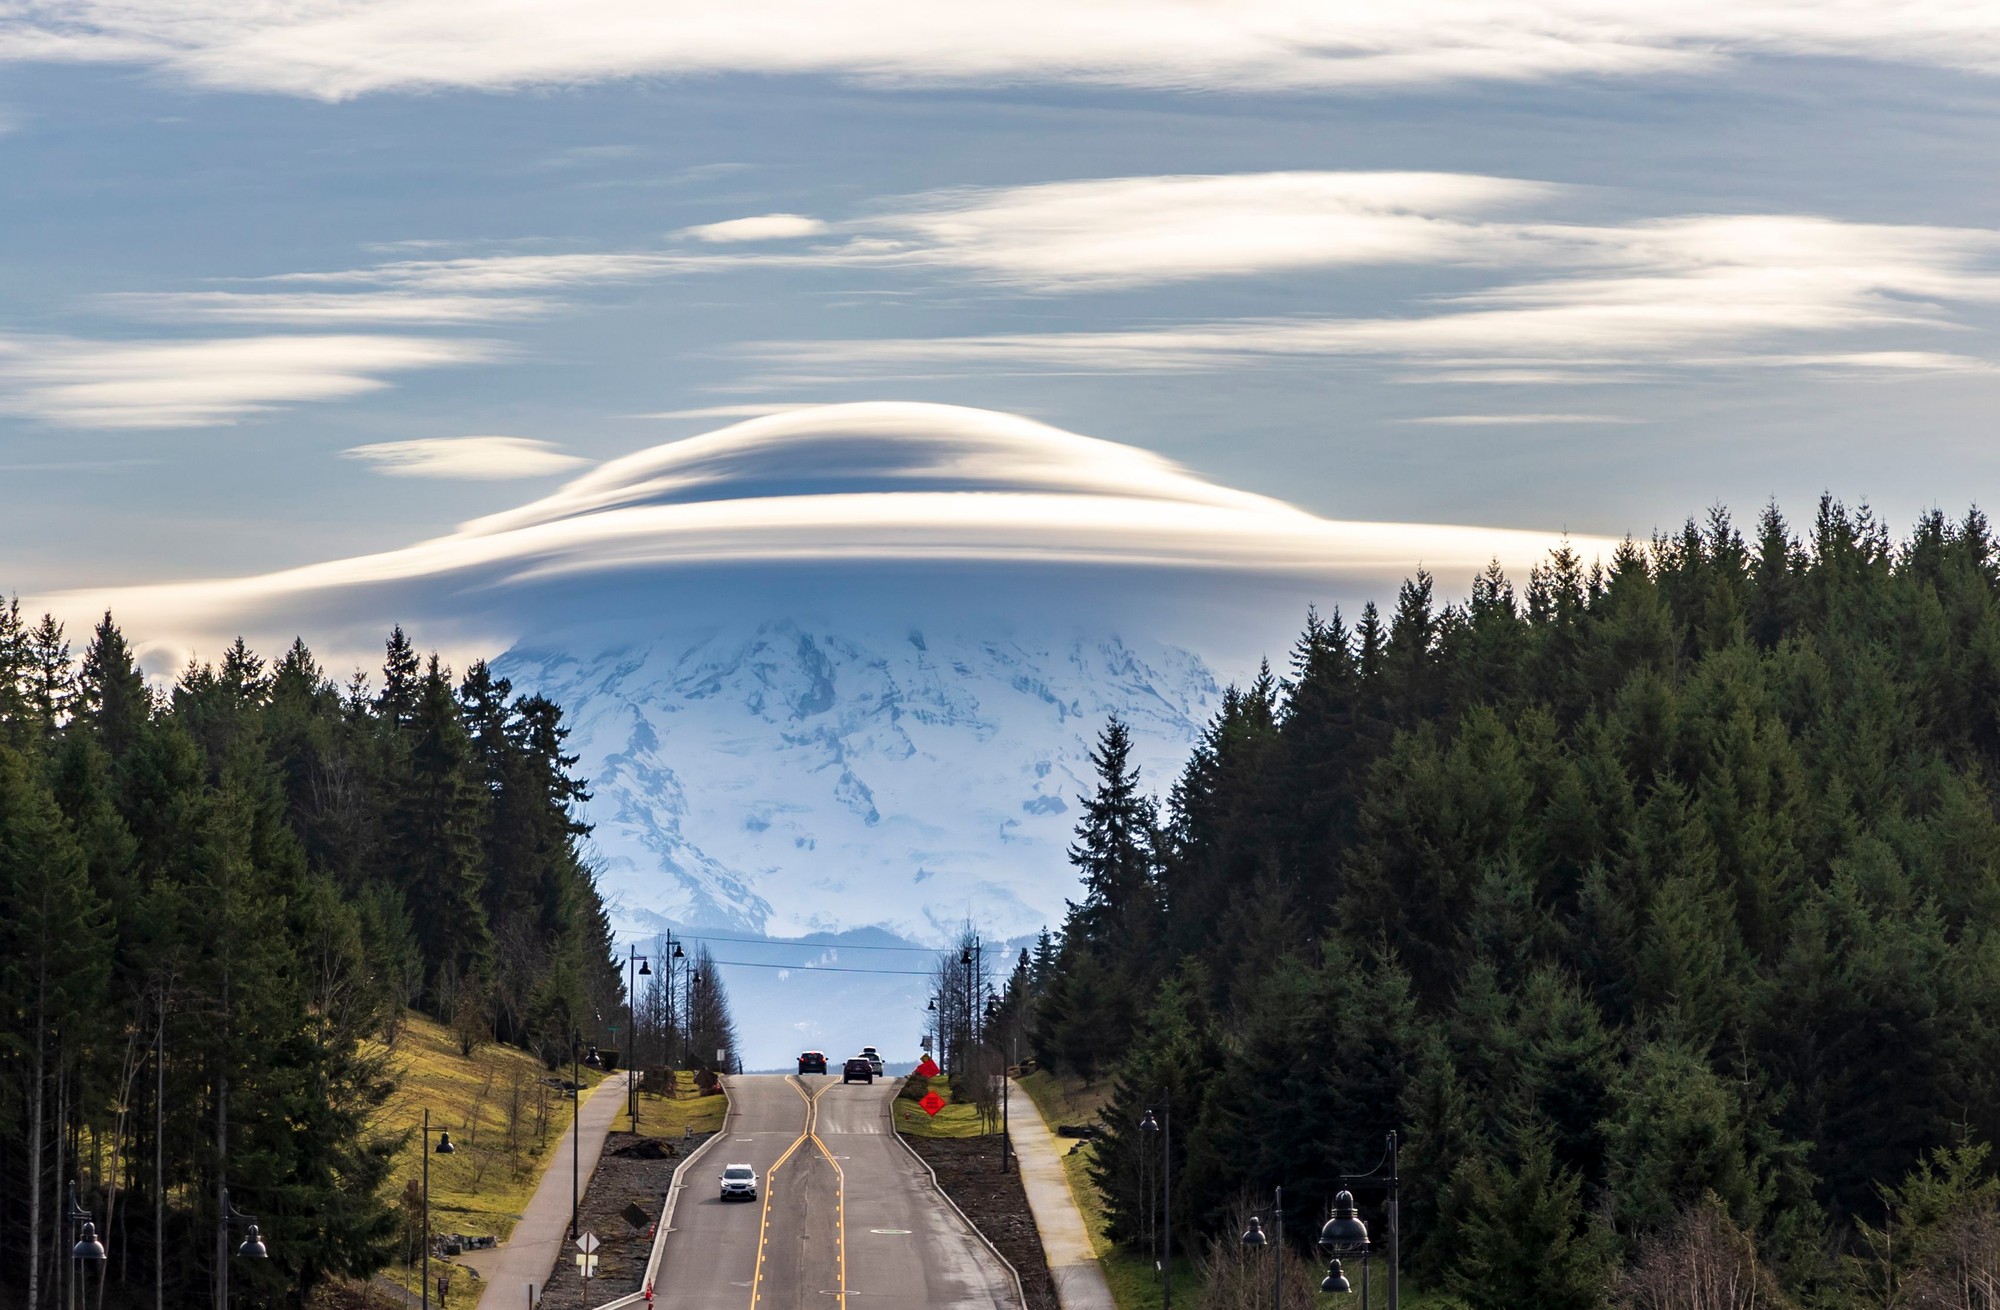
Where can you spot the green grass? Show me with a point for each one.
(483, 1186)
(1065, 1100)
(502, 1118)
(957, 1119)
(1134, 1282)
(670, 1116)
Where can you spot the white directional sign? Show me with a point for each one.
(587, 1243)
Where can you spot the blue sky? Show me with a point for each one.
(1576, 265)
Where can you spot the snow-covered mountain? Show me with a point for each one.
(785, 778)
(840, 669)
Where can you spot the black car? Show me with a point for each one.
(812, 1062)
(858, 1069)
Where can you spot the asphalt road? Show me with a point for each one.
(846, 1218)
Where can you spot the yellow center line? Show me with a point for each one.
(839, 1198)
(770, 1177)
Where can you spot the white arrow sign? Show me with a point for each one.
(587, 1243)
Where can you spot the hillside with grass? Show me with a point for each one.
(504, 1110)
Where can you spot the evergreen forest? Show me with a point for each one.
(216, 904)
(1654, 905)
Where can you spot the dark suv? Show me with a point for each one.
(859, 1069)
(812, 1062)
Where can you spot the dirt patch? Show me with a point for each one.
(968, 1168)
(621, 1206)
(344, 1295)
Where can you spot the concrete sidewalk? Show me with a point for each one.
(531, 1251)
(1079, 1279)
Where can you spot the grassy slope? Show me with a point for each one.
(1135, 1284)
(955, 1120)
(483, 1186)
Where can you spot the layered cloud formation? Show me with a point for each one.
(859, 488)
(338, 48)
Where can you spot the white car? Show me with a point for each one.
(874, 1059)
(739, 1182)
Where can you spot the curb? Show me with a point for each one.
(1020, 1294)
(638, 1298)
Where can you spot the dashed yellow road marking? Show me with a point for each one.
(839, 1197)
(770, 1180)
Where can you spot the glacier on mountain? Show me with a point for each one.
(782, 778)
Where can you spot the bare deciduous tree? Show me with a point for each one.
(1963, 1268)
(1239, 1277)
(1702, 1261)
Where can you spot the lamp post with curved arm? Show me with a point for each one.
(1253, 1237)
(687, 1006)
(1164, 1126)
(253, 1247)
(637, 966)
(1345, 1234)
(88, 1249)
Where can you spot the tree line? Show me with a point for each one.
(217, 900)
(1656, 906)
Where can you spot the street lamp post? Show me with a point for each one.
(644, 970)
(88, 1249)
(1254, 1240)
(443, 1147)
(1253, 1237)
(688, 1007)
(1345, 1234)
(1165, 1127)
(576, 1063)
(973, 957)
(253, 1247)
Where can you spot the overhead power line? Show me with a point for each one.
(772, 941)
(825, 968)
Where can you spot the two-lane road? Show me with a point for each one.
(845, 1219)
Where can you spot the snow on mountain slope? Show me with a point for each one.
(786, 778)
(840, 668)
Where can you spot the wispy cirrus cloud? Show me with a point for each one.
(169, 384)
(1562, 301)
(323, 308)
(1107, 233)
(331, 49)
(483, 459)
(1512, 420)
(506, 273)
(1714, 291)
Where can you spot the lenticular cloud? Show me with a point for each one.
(879, 504)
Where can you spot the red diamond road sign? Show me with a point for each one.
(932, 1103)
(928, 1069)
